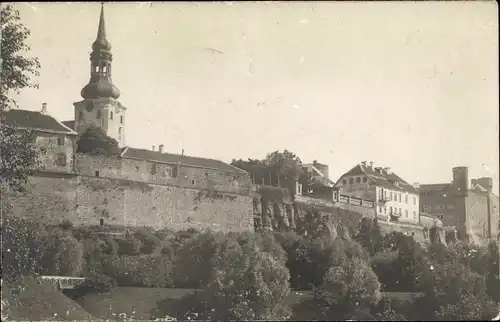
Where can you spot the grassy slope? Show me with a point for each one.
(43, 302)
(140, 303)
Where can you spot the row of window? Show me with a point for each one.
(427, 208)
(99, 115)
(357, 179)
(394, 196)
(395, 211)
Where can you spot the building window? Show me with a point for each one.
(399, 197)
(61, 159)
(385, 209)
(451, 206)
(101, 222)
(98, 114)
(426, 208)
(365, 179)
(406, 213)
(110, 115)
(440, 207)
(97, 173)
(121, 119)
(168, 172)
(380, 209)
(400, 212)
(394, 197)
(175, 170)
(344, 182)
(358, 180)
(153, 168)
(385, 194)
(414, 215)
(299, 189)
(192, 182)
(406, 199)
(351, 181)
(60, 140)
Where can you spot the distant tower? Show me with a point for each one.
(100, 106)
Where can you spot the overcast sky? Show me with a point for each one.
(411, 86)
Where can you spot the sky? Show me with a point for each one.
(411, 86)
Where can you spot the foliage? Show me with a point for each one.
(347, 288)
(16, 69)
(19, 156)
(94, 141)
(401, 267)
(63, 253)
(275, 165)
(249, 284)
(142, 270)
(149, 241)
(369, 235)
(128, 245)
(21, 254)
(95, 284)
(197, 257)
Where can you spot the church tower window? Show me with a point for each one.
(121, 119)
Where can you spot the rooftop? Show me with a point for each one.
(143, 154)
(36, 121)
(383, 178)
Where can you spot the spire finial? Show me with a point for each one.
(101, 32)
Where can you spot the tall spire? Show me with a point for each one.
(100, 84)
(101, 31)
(101, 43)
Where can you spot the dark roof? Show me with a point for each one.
(149, 155)
(435, 187)
(35, 120)
(70, 124)
(383, 179)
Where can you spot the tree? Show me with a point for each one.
(347, 289)
(95, 142)
(16, 69)
(19, 156)
(248, 284)
(284, 163)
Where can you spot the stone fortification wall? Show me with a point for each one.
(103, 190)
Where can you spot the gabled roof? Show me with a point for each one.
(156, 156)
(384, 179)
(36, 121)
(70, 124)
(435, 187)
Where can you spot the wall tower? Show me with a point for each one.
(100, 106)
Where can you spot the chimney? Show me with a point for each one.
(160, 148)
(153, 148)
(44, 108)
(371, 164)
(461, 179)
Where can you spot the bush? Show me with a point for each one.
(347, 289)
(95, 284)
(128, 245)
(149, 241)
(63, 253)
(139, 271)
(248, 285)
(197, 256)
(21, 250)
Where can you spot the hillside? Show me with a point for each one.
(38, 302)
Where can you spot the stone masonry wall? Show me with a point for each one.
(85, 200)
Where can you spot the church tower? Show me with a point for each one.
(100, 106)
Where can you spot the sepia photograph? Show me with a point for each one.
(250, 161)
